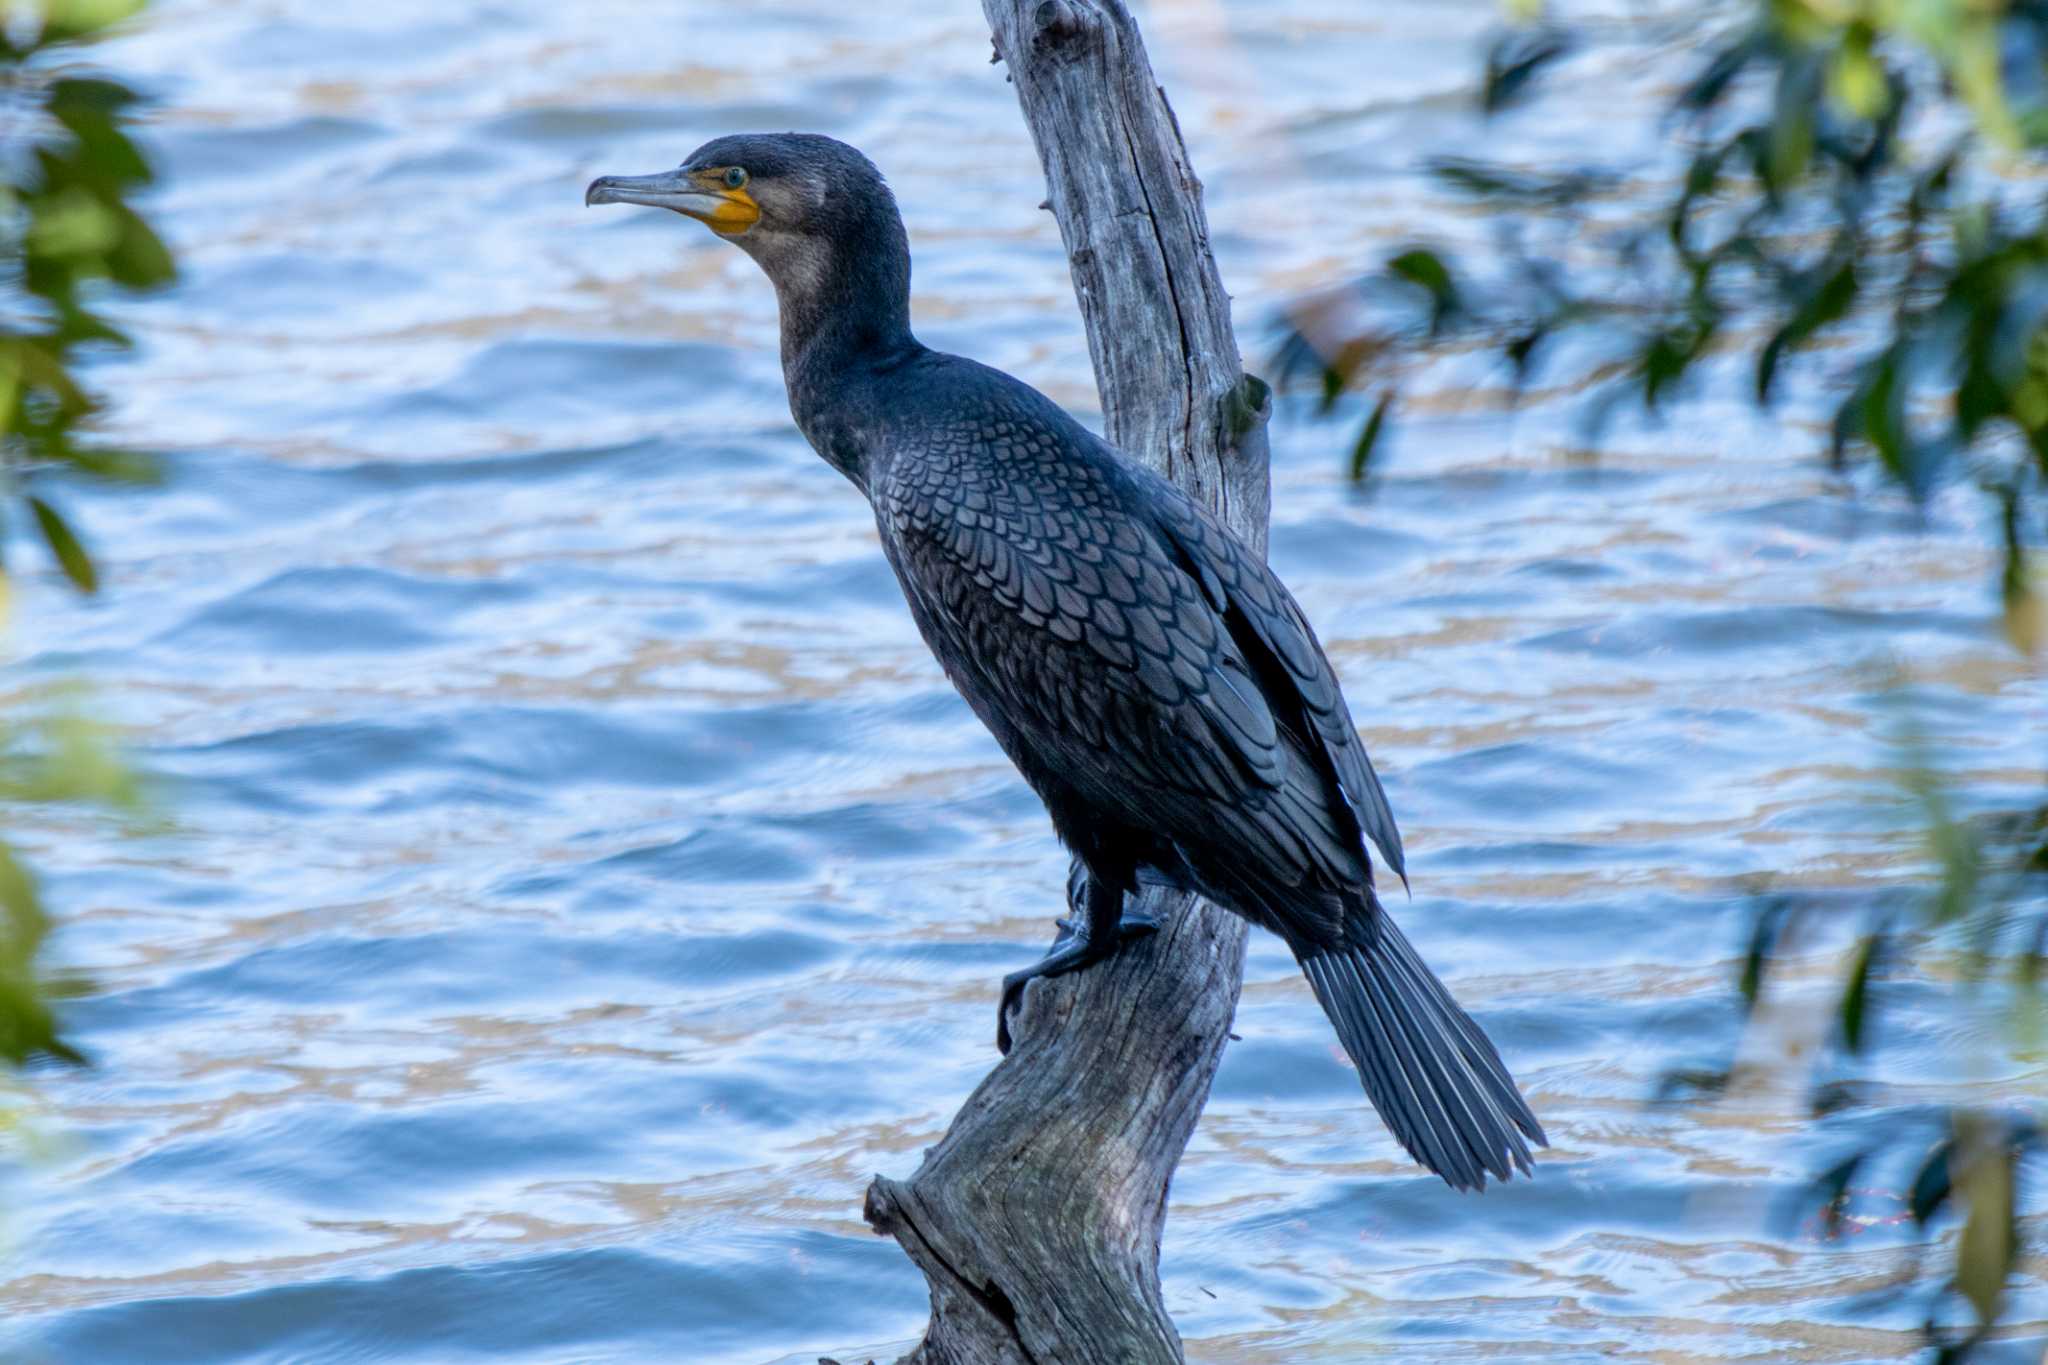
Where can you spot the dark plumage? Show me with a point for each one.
(1147, 673)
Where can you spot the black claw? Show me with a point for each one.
(1003, 1018)
(1090, 934)
(1137, 923)
(1070, 953)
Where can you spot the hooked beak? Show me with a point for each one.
(725, 211)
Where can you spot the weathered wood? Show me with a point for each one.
(1037, 1218)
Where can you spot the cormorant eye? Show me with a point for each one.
(734, 178)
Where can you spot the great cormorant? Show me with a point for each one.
(1146, 671)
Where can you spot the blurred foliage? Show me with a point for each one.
(1980, 930)
(1853, 182)
(63, 757)
(68, 239)
(1853, 187)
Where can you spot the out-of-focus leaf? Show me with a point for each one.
(1719, 73)
(1989, 1244)
(66, 21)
(1881, 420)
(1425, 268)
(1516, 60)
(1974, 65)
(1764, 934)
(1505, 186)
(139, 259)
(74, 94)
(27, 1027)
(1521, 350)
(1931, 1184)
(1418, 265)
(92, 111)
(1333, 388)
(1856, 993)
(1368, 439)
(1814, 217)
(1664, 360)
(1832, 1097)
(74, 225)
(1826, 302)
(71, 556)
(1857, 80)
(1831, 1191)
(2028, 1005)
(1691, 1081)
(1791, 134)
(2026, 616)
(115, 465)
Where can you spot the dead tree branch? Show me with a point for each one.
(1037, 1218)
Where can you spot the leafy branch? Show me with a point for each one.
(1849, 186)
(1838, 192)
(69, 240)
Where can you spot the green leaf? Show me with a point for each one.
(1825, 303)
(71, 555)
(115, 465)
(68, 21)
(1791, 135)
(1856, 995)
(1832, 1191)
(1664, 359)
(1368, 439)
(1881, 420)
(1419, 265)
(1989, 1246)
(1832, 1097)
(1515, 62)
(1692, 1081)
(1931, 1185)
(1521, 350)
(74, 226)
(106, 157)
(27, 1027)
(74, 93)
(1763, 940)
(1857, 79)
(2026, 615)
(1333, 388)
(1425, 268)
(139, 259)
(1720, 72)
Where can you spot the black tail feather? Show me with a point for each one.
(1434, 1077)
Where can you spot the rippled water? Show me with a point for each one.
(581, 880)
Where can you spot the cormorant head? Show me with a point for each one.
(803, 205)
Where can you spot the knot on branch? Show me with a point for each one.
(1246, 406)
(1056, 24)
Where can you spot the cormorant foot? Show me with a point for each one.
(1073, 950)
(1138, 921)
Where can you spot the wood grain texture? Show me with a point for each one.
(1037, 1218)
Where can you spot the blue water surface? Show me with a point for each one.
(575, 880)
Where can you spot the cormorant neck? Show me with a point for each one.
(846, 322)
(844, 299)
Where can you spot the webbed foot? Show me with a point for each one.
(1100, 925)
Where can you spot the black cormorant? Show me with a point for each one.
(1148, 674)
